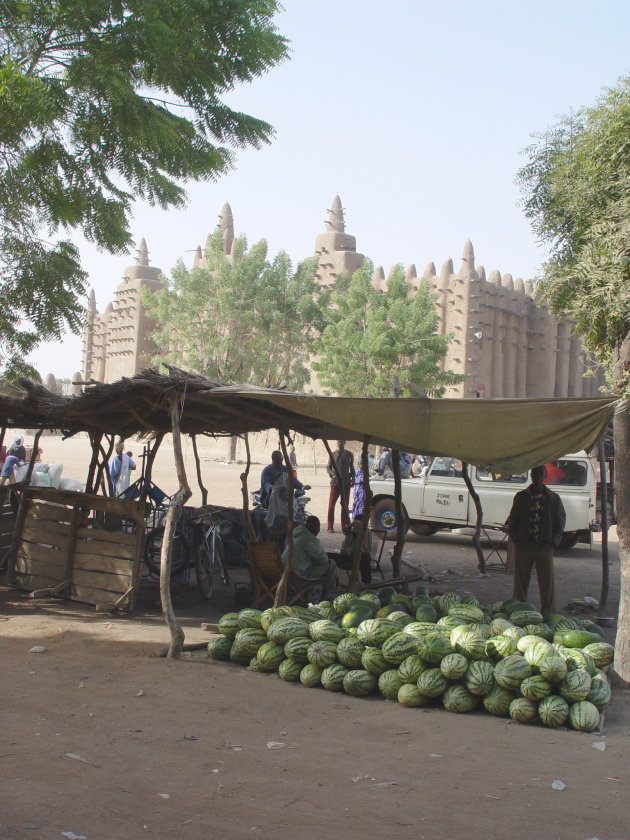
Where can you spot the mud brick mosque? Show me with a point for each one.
(503, 342)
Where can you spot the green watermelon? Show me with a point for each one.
(498, 625)
(514, 632)
(599, 695)
(254, 665)
(536, 653)
(447, 600)
(511, 671)
(307, 614)
(426, 613)
(239, 656)
(448, 622)
(400, 617)
(511, 606)
(310, 675)
(374, 662)
(359, 683)
(470, 613)
(399, 647)
(601, 653)
(479, 678)
(410, 669)
(289, 671)
(389, 683)
(219, 648)
(458, 699)
(584, 716)
(575, 638)
(374, 631)
(553, 711)
(434, 647)
(409, 695)
(269, 656)
(322, 653)
(575, 686)
(535, 688)
(386, 594)
(498, 647)
(497, 701)
(283, 629)
(542, 630)
(432, 682)
(454, 666)
(250, 639)
(228, 625)
(249, 618)
(587, 624)
(526, 641)
(469, 598)
(271, 614)
(472, 645)
(326, 631)
(357, 614)
(552, 667)
(523, 617)
(576, 658)
(296, 649)
(332, 677)
(523, 710)
(388, 609)
(419, 629)
(349, 652)
(342, 603)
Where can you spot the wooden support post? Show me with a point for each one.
(400, 530)
(244, 475)
(603, 499)
(204, 491)
(95, 443)
(175, 508)
(31, 463)
(481, 560)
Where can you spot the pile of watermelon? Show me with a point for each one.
(422, 650)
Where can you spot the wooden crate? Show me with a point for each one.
(64, 544)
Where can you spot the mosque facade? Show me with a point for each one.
(503, 343)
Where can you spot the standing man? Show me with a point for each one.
(535, 525)
(345, 466)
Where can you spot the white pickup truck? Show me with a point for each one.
(440, 500)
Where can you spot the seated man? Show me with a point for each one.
(309, 558)
(345, 557)
(269, 476)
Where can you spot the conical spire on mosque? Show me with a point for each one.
(335, 216)
(378, 279)
(467, 270)
(142, 257)
(226, 226)
(91, 307)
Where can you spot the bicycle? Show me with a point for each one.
(199, 547)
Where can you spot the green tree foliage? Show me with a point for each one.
(576, 188)
(373, 337)
(247, 320)
(103, 102)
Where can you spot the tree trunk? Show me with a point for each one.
(244, 475)
(202, 487)
(231, 455)
(481, 560)
(400, 530)
(622, 496)
(174, 511)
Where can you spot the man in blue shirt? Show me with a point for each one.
(270, 474)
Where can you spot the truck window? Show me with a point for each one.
(566, 473)
(450, 467)
(486, 474)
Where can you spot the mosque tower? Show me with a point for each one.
(335, 249)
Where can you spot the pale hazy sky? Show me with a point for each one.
(415, 113)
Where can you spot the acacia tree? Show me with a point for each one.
(371, 337)
(101, 103)
(238, 320)
(576, 188)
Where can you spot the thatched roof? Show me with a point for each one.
(511, 434)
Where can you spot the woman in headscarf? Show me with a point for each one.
(17, 449)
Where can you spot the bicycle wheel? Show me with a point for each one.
(203, 572)
(218, 565)
(153, 551)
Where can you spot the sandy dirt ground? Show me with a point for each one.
(102, 738)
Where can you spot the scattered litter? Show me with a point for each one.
(72, 836)
(37, 649)
(187, 738)
(140, 693)
(356, 779)
(165, 795)
(76, 757)
(108, 625)
(235, 747)
(435, 755)
(599, 745)
(384, 784)
(558, 785)
(275, 745)
(591, 602)
(215, 770)
(490, 796)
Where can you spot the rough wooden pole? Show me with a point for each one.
(148, 466)
(31, 463)
(103, 476)
(95, 443)
(358, 551)
(281, 591)
(603, 597)
(175, 508)
(400, 529)
(204, 492)
(481, 560)
(244, 475)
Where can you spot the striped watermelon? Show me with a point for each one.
(239, 656)
(454, 666)
(514, 632)
(601, 653)
(419, 629)
(535, 688)
(511, 671)
(250, 639)
(333, 676)
(426, 613)
(249, 618)
(599, 695)
(271, 614)
(269, 656)
(307, 614)
(479, 678)
(359, 612)
(289, 671)
(287, 628)
(542, 630)
(523, 710)
(409, 695)
(584, 716)
(219, 648)
(410, 669)
(228, 625)
(576, 659)
(432, 682)
(310, 675)
(400, 617)
(497, 701)
(458, 699)
(326, 631)
(561, 622)
(472, 645)
(349, 652)
(526, 641)
(536, 653)
(296, 649)
(399, 647)
(374, 662)
(342, 602)
(575, 686)
(254, 665)
(553, 668)
(388, 684)
(374, 631)
(498, 625)
(498, 647)
(553, 711)
(447, 600)
(448, 623)
(469, 598)
(512, 606)
(434, 647)
(322, 653)
(468, 612)
(359, 683)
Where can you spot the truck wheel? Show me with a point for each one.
(423, 529)
(567, 542)
(383, 518)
